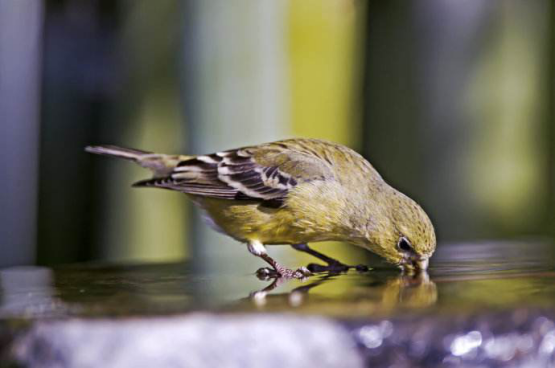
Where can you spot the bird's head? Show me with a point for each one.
(401, 232)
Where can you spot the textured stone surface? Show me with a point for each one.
(521, 338)
(197, 340)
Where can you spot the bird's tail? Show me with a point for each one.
(115, 151)
(160, 164)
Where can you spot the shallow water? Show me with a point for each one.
(462, 278)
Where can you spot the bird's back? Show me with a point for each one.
(288, 191)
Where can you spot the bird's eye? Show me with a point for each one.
(404, 245)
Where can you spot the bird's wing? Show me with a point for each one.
(264, 173)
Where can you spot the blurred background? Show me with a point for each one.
(452, 101)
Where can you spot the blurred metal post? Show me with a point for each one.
(417, 65)
(454, 93)
(325, 47)
(145, 225)
(549, 120)
(234, 84)
(20, 55)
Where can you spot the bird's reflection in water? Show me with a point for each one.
(410, 291)
(350, 294)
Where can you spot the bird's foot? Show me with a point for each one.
(335, 267)
(271, 273)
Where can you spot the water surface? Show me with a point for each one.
(463, 278)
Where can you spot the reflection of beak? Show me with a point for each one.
(413, 290)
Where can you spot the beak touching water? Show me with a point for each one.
(414, 262)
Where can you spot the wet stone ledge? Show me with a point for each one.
(518, 339)
(197, 340)
(481, 305)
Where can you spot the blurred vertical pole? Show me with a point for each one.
(391, 115)
(79, 78)
(504, 168)
(325, 58)
(550, 122)
(448, 39)
(418, 59)
(326, 50)
(454, 110)
(143, 224)
(20, 56)
(234, 88)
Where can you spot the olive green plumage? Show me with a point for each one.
(296, 191)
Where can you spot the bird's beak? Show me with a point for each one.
(422, 264)
(414, 262)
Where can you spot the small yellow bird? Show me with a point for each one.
(295, 191)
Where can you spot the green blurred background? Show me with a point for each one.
(452, 101)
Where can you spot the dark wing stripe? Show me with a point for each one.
(251, 183)
(236, 174)
(195, 165)
(246, 176)
(221, 192)
(250, 178)
(268, 191)
(233, 158)
(271, 171)
(287, 181)
(247, 169)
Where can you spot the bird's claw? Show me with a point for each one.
(335, 267)
(266, 273)
(301, 273)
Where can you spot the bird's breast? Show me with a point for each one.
(251, 220)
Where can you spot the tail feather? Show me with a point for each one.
(161, 165)
(127, 153)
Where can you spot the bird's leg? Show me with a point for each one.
(257, 248)
(333, 264)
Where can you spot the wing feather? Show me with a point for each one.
(264, 173)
